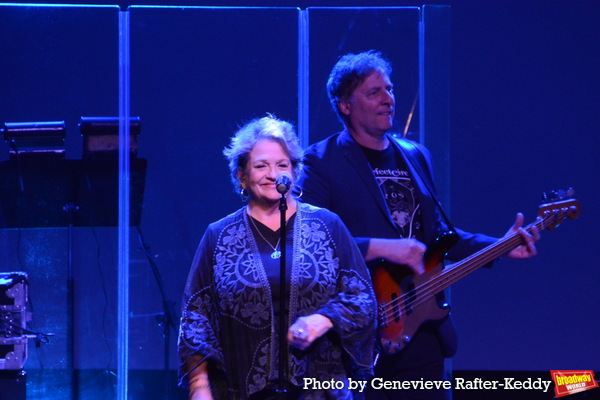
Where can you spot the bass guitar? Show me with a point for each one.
(408, 301)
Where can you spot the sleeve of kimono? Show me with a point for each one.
(197, 339)
(353, 310)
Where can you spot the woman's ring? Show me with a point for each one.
(299, 333)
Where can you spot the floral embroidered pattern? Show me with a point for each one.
(240, 278)
(229, 315)
(257, 375)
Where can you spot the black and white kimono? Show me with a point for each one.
(228, 315)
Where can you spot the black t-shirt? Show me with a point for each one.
(398, 189)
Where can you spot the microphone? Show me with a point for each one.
(283, 182)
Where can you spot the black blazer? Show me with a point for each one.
(337, 176)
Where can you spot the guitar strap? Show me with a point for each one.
(447, 332)
(422, 167)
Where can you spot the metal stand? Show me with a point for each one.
(51, 192)
(167, 319)
(283, 347)
(70, 209)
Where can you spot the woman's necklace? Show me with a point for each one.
(276, 253)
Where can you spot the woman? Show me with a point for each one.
(228, 341)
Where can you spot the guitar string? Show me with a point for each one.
(447, 274)
(453, 274)
(429, 289)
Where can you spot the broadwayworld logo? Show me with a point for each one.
(570, 382)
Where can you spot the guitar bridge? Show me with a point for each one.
(383, 321)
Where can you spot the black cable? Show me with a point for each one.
(40, 337)
(170, 314)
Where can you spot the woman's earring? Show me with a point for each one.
(244, 195)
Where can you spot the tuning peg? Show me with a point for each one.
(550, 196)
(558, 195)
(570, 193)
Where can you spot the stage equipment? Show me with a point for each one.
(101, 136)
(283, 371)
(35, 138)
(56, 192)
(51, 192)
(13, 320)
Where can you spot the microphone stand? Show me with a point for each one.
(168, 319)
(283, 349)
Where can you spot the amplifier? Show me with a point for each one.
(13, 320)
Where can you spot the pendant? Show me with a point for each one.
(276, 254)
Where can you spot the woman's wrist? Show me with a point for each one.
(201, 382)
(198, 383)
(204, 386)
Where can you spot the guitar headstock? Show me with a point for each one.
(557, 206)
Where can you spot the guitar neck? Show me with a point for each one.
(405, 305)
(454, 272)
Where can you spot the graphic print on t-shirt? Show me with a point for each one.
(399, 194)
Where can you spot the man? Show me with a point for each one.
(382, 189)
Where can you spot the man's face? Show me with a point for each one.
(370, 109)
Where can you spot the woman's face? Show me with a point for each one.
(267, 160)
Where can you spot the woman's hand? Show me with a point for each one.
(307, 329)
(201, 394)
(199, 383)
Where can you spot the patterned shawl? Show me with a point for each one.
(228, 310)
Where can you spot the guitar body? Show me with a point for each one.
(403, 307)
(407, 301)
(401, 319)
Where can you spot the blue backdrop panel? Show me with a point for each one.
(524, 120)
(334, 32)
(196, 75)
(525, 92)
(60, 63)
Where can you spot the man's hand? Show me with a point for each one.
(407, 252)
(527, 248)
